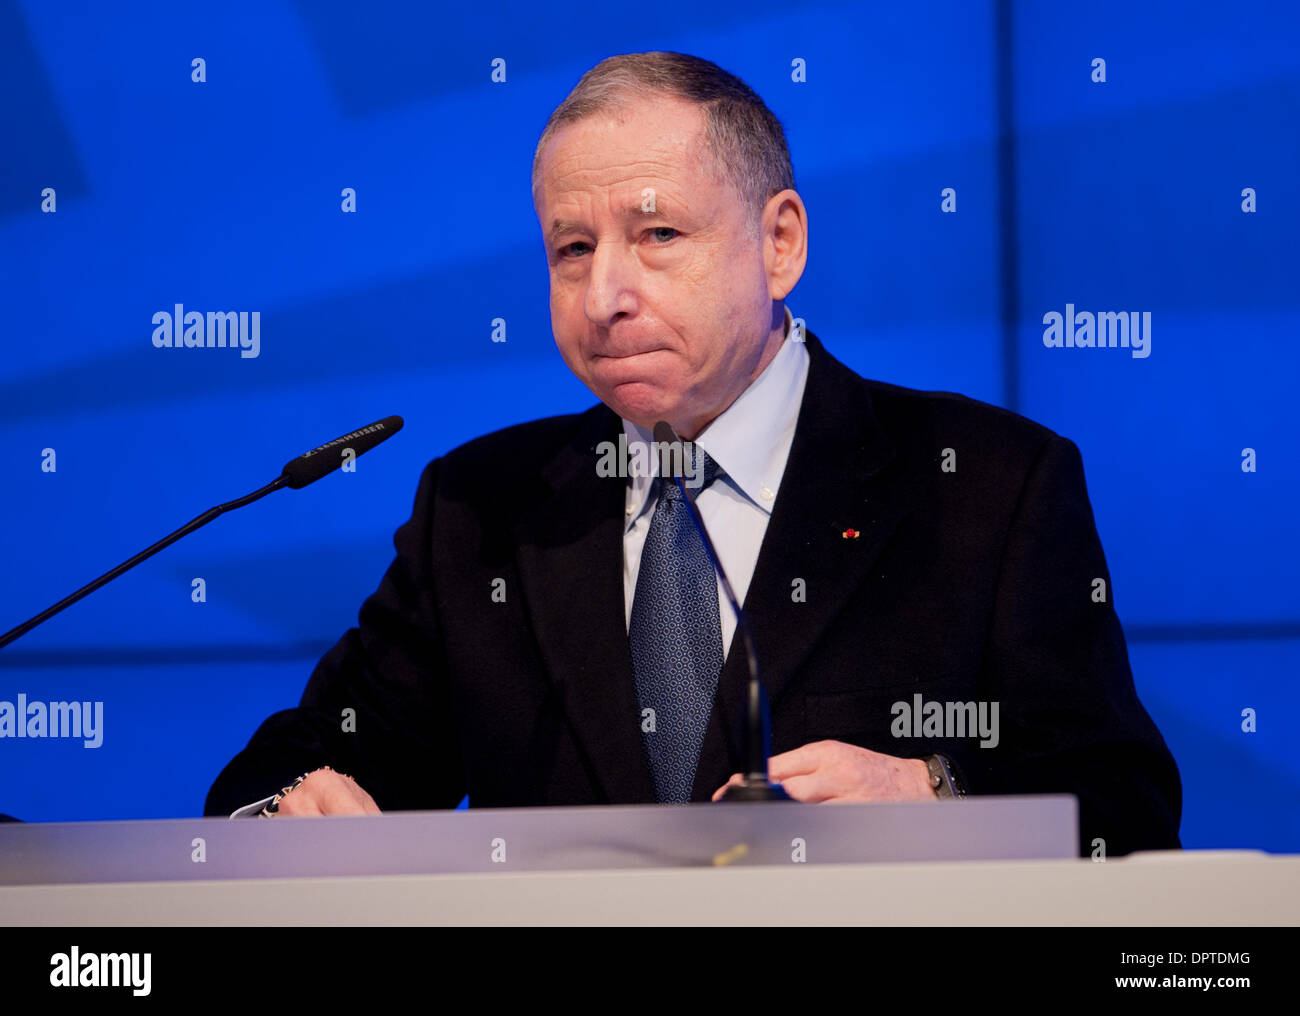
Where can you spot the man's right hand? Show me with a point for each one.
(326, 792)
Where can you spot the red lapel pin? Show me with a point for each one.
(850, 534)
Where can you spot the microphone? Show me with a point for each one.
(311, 466)
(755, 786)
(297, 473)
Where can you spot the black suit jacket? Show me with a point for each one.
(964, 585)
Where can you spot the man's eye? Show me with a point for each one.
(567, 250)
(658, 232)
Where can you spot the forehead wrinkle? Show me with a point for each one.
(574, 184)
(613, 174)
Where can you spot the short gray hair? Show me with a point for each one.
(743, 135)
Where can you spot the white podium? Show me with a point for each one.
(979, 861)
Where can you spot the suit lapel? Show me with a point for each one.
(835, 480)
(570, 559)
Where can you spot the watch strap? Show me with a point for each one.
(944, 780)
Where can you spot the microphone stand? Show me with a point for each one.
(148, 552)
(297, 473)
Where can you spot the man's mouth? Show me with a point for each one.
(629, 355)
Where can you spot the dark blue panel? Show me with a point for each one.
(225, 195)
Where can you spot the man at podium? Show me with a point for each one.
(927, 590)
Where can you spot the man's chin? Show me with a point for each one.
(642, 403)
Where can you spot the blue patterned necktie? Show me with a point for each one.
(676, 639)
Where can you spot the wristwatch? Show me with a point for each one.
(943, 779)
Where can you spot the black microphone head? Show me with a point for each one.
(664, 433)
(311, 466)
(670, 449)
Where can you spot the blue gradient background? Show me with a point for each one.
(225, 195)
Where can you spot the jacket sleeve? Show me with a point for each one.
(377, 705)
(1056, 662)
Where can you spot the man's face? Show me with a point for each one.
(659, 296)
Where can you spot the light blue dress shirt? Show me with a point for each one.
(750, 441)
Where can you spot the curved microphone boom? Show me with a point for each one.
(297, 473)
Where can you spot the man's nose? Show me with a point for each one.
(612, 284)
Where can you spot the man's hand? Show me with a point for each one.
(326, 792)
(834, 772)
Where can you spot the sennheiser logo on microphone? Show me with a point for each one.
(217, 329)
(374, 428)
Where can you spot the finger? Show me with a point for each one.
(734, 780)
(338, 795)
(358, 802)
(798, 761)
(368, 805)
(299, 803)
(810, 788)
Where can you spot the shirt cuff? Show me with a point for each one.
(251, 810)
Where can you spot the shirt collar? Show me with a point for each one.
(750, 440)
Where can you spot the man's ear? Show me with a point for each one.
(784, 235)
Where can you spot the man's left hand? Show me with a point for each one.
(835, 773)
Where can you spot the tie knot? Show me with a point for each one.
(698, 471)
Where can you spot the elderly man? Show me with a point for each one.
(550, 633)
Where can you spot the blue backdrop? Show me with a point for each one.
(1162, 182)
